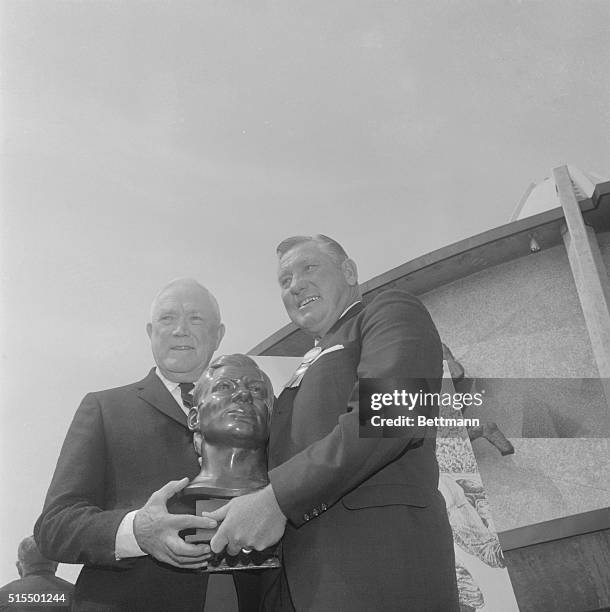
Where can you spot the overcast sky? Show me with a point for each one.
(142, 141)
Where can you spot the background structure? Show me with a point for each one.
(525, 310)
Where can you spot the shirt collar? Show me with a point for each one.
(350, 307)
(170, 384)
(318, 339)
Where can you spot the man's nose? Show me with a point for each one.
(297, 284)
(242, 394)
(181, 328)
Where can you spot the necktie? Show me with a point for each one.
(186, 394)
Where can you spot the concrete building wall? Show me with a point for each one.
(522, 320)
(519, 319)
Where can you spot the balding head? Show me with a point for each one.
(30, 559)
(184, 329)
(184, 284)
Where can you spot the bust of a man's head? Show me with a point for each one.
(230, 423)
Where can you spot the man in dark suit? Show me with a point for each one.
(123, 445)
(37, 583)
(367, 527)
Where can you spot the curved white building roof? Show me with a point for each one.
(543, 196)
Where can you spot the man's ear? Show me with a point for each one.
(192, 419)
(221, 334)
(149, 329)
(350, 271)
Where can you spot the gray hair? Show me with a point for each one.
(186, 281)
(30, 557)
(331, 247)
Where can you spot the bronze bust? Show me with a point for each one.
(230, 424)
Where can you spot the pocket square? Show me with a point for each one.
(330, 349)
(297, 377)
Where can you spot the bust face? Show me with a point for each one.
(234, 411)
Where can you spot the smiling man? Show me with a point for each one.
(123, 445)
(184, 330)
(364, 525)
(318, 282)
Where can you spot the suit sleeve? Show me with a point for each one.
(398, 340)
(74, 527)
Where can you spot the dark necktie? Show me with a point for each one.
(186, 394)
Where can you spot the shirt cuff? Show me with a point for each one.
(125, 543)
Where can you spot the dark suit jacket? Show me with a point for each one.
(368, 529)
(123, 444)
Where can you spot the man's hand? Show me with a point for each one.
(156, 530)
(252, 521)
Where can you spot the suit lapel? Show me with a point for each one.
(155, 393)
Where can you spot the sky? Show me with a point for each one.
(144, 141)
